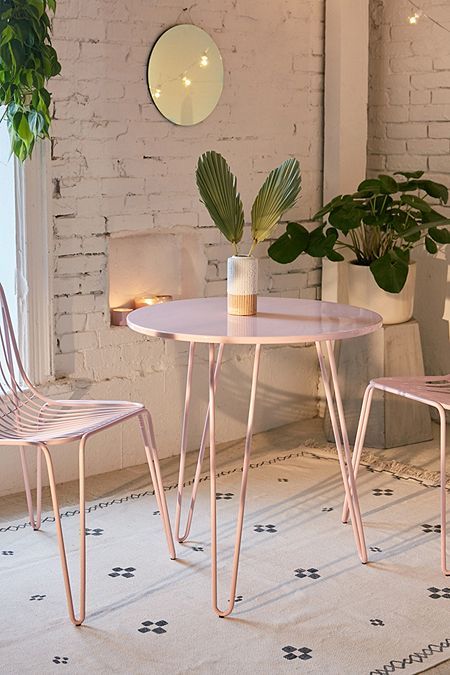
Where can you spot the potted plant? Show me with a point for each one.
(27, 62)
(218, 192)
(379, 224)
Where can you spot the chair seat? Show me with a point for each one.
(34, 420)
(432, 389)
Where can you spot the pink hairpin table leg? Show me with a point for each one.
(245, 469)
(201, 452)
(330, 381)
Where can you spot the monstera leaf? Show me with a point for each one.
(278, 193)
(218, 192)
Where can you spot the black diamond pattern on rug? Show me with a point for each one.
(376, 549)
(436, 593)
(377, 622)
(156, 513)
(311, 572)
(95, 532)
(224, 495)
(303, 653)
(126, 572)
(60, 659)
(38, 597)
(265, 528)
(435, 529)
(382, 493)
(327, 509)
(198, 548)
(283, 480)
(153, 627)
(7, 552)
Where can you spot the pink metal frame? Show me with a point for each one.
(433, 391)
(340, 432)
(28, 418)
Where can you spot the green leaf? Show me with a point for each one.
(278, 194)
(416, 202)
(290, 244)
(430, 245)
(371, 185)
(388, 184)
(409, 174)
(390, 271)
(7, 35)
(334, 256)
(440, 235)
(346, 218)
(320, 245)
(218, 191)
(436, 190)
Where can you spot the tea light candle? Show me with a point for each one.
(119, 316)
(146, 300)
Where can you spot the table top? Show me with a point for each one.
(278, 321)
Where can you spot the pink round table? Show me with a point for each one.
(278, 321)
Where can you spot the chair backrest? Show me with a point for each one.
(14, 381)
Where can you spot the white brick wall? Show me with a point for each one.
(409, 129)
(118, 165)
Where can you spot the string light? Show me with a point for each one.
(157, 92)
(186, 81)
(204, 61)
(414, 18)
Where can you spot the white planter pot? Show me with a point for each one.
(242, 285)
(363, 291)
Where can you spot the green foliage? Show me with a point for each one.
(278, 194)
(218, 191)
(27, 62)
(380, 223)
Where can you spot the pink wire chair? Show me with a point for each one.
(28, 418)
(433, 391)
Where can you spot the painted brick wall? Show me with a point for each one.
(409, 129)
(118, 166)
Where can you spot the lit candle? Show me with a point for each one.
(144, 300)
(119, 316)
(149, 299)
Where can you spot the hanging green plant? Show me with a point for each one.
(27, 62)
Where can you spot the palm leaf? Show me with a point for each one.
(278, 193)
(218, 192)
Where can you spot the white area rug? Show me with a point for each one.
(305, 603)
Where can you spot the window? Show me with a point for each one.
(24, 253)
(7, 222)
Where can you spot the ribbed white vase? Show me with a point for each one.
(242, 285)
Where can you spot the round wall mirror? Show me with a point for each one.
(185, 74)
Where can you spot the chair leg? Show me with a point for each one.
(445, 569)
(35, 522)
(77, 621)
(148, 436)
(359, 440)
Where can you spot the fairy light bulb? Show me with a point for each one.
(157, 93)
(204, 60)
(414, 18)
(186, 81)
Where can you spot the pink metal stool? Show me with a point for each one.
(433, 391)
(28, 418)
